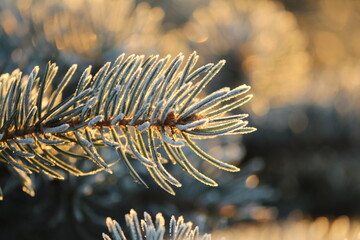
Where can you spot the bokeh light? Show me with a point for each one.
(265, 43)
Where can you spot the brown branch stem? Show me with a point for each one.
(171, 121)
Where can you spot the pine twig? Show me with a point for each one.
(134, 105)
(147, 229)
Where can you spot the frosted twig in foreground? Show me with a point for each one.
(135, 106)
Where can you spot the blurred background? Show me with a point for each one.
(302, 59)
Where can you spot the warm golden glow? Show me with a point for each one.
(267, 39)
(263, 213)
(334, 47)
(319, 229)
(252, 181)
(93, 32)
(228, 211)
(86, 29)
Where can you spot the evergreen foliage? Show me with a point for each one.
(148, 229)
(144, 108)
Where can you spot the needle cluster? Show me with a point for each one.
(147, 109)
(148, 229)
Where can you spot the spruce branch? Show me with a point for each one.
(136, 105)
(148, 229)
